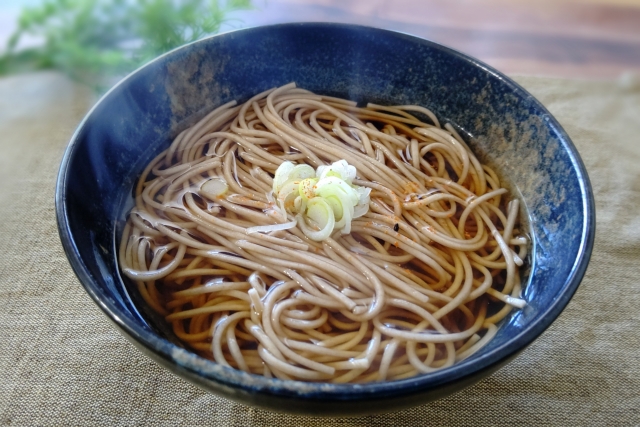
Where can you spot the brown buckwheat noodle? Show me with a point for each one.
(418, 284)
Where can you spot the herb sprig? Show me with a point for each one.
(98, 41)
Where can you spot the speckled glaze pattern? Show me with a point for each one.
(504, 124)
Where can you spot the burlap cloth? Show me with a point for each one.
(63, 363)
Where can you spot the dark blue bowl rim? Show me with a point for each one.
(230, 377)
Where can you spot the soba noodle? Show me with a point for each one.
(418, 283)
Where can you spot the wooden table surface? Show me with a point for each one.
(575, 39)
(562, 38)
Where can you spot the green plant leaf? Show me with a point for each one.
(95, 41)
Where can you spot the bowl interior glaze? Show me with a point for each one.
(504, 125)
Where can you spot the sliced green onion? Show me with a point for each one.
(214, 187)
(300, 204)
(282, 176)
(306, 188)
(347, 216)
(340, 169)
(336, 206)
(323, 200)
(288, 194)
(301, 172)
(333, 186)
(363, 195)
(360, 210)
(321, 214)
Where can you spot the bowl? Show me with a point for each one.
(503, 123)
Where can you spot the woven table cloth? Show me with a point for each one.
(63, 363)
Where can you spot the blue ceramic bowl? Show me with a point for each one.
(504, 124)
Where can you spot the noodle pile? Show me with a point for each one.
(419, 282)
